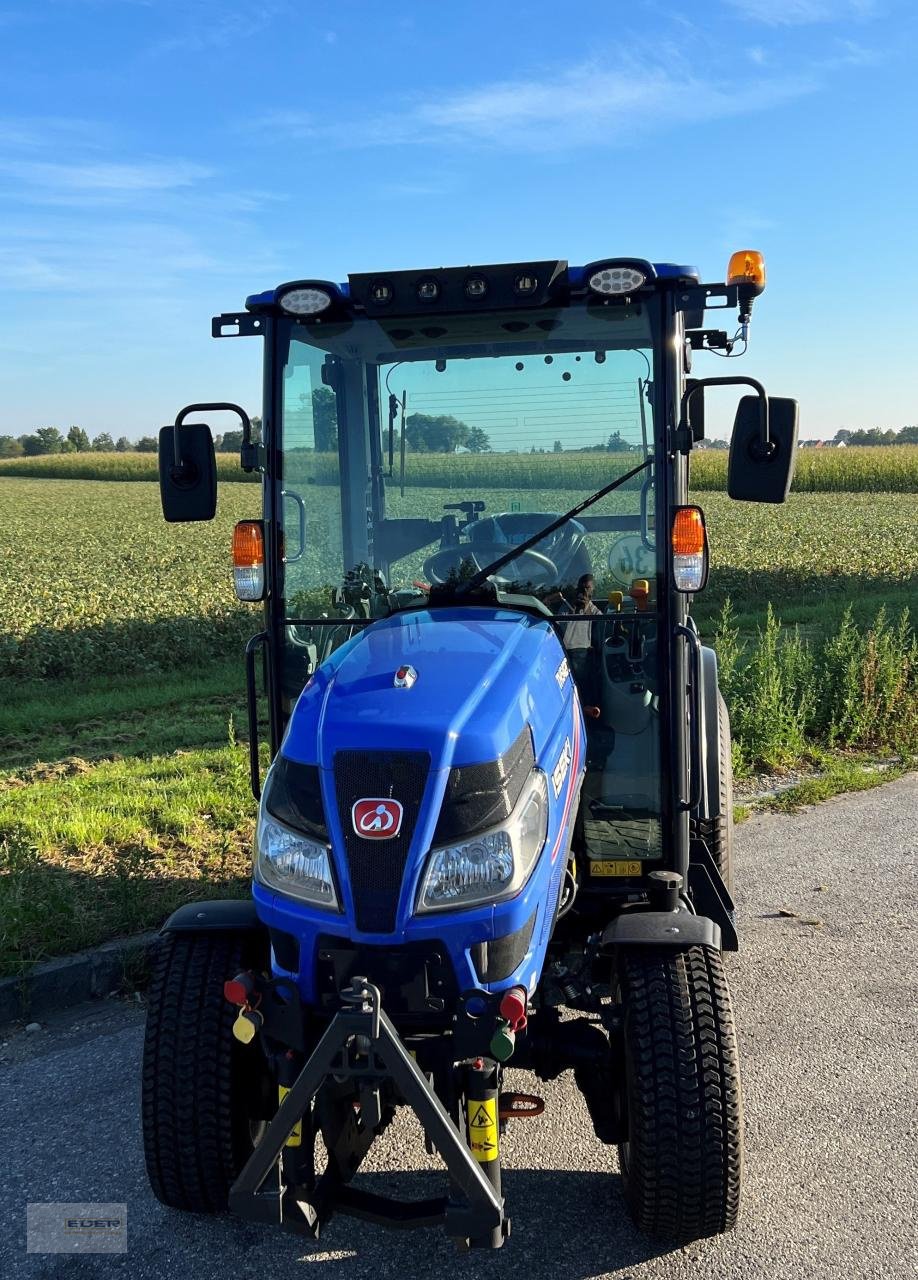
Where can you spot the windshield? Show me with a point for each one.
(413, 458)
(417, 454)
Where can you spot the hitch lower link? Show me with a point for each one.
(361, 1053)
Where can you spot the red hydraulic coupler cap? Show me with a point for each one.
(237, 990)
(513, 1007)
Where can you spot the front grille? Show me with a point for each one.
(377, 867)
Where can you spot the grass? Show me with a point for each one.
(126, 715)
(840, 775)
(879, 469)
(95, 852)
(119, 802)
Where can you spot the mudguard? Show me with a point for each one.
(674, 929)
(220, 915)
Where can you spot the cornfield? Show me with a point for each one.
(881, 469)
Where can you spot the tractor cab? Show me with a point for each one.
(438, 439)
(500, 781)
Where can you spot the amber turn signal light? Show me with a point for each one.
(690, 549)
(249, 560)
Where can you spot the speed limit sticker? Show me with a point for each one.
(629, 558)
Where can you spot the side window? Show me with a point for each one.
(311, 492)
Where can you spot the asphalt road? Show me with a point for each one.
(827, 1021)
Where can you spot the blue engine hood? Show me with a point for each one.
(482, 674)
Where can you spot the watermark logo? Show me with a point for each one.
(377, 819)
(76, 1228)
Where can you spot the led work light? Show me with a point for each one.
(615, 281)
(308, 300)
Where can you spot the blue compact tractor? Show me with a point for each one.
(496, 827)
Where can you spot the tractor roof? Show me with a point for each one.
(576, 277)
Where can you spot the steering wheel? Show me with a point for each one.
(528, 566)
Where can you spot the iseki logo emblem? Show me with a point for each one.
(377, 819)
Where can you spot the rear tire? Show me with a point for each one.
(681, 1160)
(201, 1087)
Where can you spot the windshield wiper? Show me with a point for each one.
(483, 574)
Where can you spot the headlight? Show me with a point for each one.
(493, 865)
(293, 864)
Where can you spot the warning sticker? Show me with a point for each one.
(609, 868)
(482, 1118)
(295, 1137)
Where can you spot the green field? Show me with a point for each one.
(123, 780)
(95, 582)
(879, 469)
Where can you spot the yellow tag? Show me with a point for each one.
(482, 1117)
(244, 1029)
(295, 1136)
(609, 868)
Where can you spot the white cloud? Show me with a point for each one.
(152, 258)
(584, 105)
(27, 133)
(794, 13)
(81, 213)
(105, 179)
(216, 24)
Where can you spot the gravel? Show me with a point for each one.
(826, 1014)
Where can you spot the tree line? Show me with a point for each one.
(424, 433)
(874, 435)
(53, 440)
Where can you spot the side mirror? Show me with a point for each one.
(187, 472)
(754, 474)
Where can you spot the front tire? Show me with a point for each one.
(681, 1160)
(201, 1087)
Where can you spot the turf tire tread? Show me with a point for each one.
(194, 1106)
(682, 1167)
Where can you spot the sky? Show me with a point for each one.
(162, 159)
